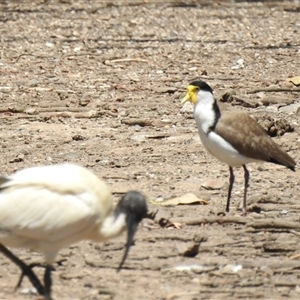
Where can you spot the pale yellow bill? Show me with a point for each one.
(186, 98)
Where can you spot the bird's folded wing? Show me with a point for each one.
(247, 136)
(36, 213)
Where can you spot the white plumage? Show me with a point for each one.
(47, 208)
(223, 151)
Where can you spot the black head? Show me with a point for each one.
(133, 205)
(202, 85)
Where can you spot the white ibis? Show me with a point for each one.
(47, 208)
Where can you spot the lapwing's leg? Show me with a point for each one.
(48, 282)
(231, 181)
(26, 270)
(246, 173)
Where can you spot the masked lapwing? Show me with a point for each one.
(232, 137)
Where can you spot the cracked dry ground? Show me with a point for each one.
(99, 84)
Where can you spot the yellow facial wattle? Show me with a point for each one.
(191, 94)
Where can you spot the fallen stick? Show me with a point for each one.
(210, 220)
(12, 110)
(273, 90)
(120, 60)
(295, 256)
(294, 232)
(273, 223)
(140, 122)
(43, 56)
(59, 114)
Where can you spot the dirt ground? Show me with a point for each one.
(99, 83)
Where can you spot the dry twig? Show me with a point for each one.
(210, 220)
(269, 90)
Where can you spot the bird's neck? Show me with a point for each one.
(112, 226)
(206, 112)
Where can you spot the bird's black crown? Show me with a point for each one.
(202, 85)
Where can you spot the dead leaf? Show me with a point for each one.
(295, 80)
(175, 225)
(217, 184)
(186, 199)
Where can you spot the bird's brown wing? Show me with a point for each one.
(250, 139)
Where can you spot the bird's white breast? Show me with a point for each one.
(222, 150)
(205, 117)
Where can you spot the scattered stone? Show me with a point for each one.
(31, 111)
(18, 159)
(232, 268)
(78, 137)
(187, 249)
(238, 100)
(85, 100)
(272, 126)
(5, 89)
(63, 94)
(29, 291)
(133, 122)
(139, 137)
(162, 217)
(32, 83)
(187, 108)
(290, 109)
(217, 184)
(271, 100)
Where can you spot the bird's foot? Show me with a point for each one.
(27, 271)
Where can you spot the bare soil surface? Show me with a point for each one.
(100, 83)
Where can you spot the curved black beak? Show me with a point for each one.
(131, 229)
(133, 205)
